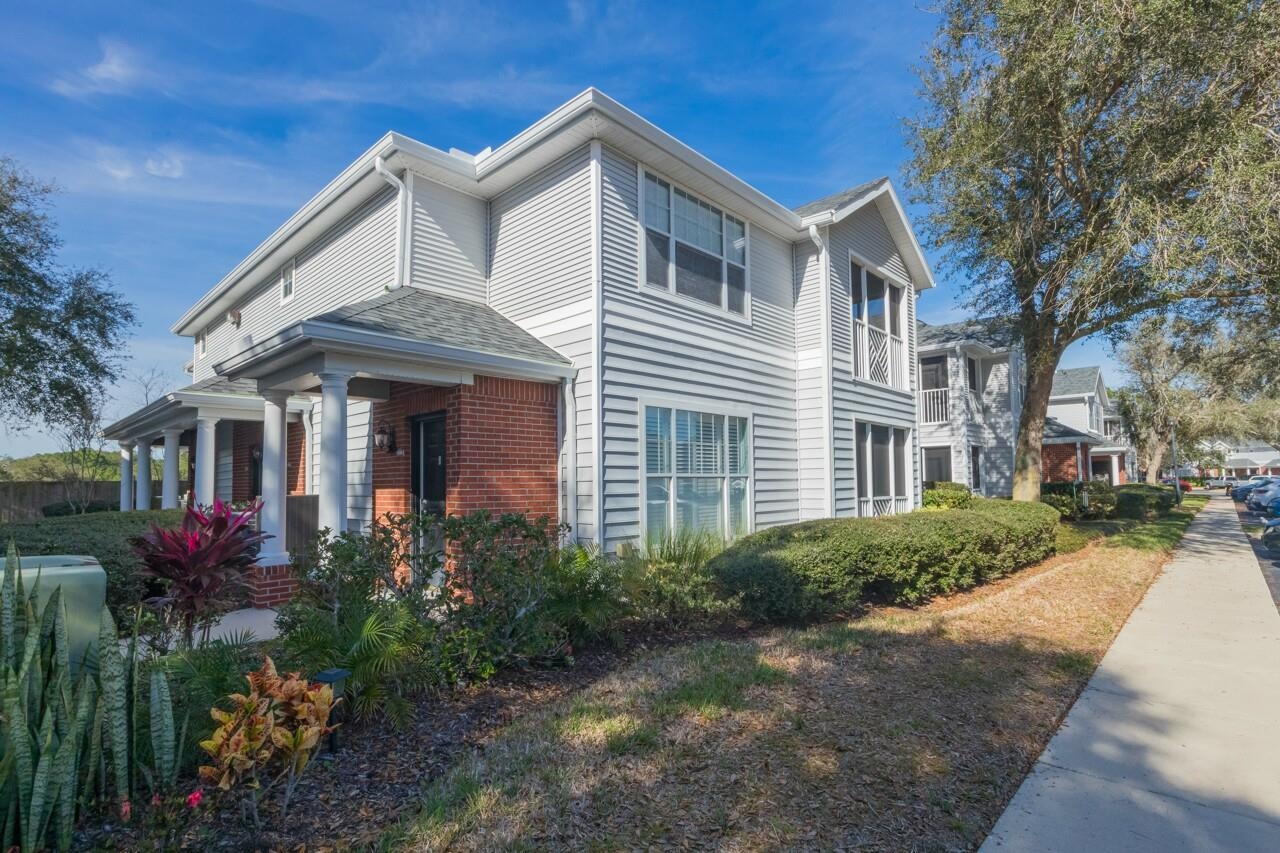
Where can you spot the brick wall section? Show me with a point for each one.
(500, 441)
(1058, 463)
(270, 586)
(245, 435)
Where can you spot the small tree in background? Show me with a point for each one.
(82, 461)
(1087, 163)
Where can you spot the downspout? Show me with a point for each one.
(571, 455)
(402, 218)
(829, 415)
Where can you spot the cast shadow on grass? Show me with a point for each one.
(837, 736)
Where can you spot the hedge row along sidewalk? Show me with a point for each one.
(903, 727)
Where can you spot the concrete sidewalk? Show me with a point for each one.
(1175, 743)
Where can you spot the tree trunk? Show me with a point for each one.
(1155, 459)
(1042, 361)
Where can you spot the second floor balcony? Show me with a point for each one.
(935, 406)
(879, 356)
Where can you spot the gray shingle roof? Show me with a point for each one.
(1073, 381)
(840, 199)
(223, 385)
(420, 315)
(995, 332)
(1055, 429)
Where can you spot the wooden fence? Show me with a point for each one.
(22, 499)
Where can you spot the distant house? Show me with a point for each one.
(1244, 458)
(592, 321)
(1081, 407)
(971, 377)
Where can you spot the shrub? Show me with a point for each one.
(199, 563)
(65, 508)
(818, 568)
(1102, 499)
(1143, 500)
(947, 498)
(104, 536)
(585, 597)
(268, 737)
(668, 581)
(1066, 505)
(945, 486)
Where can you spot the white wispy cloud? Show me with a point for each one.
(120, 70)
(165, 165)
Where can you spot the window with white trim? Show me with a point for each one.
(286, 281)
(202, 343)
(697, 473)
(883, 475)
(879, 321)
(692, 248)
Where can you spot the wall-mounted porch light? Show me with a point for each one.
(384, 438)
(256, 451)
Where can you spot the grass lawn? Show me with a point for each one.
(902, 729)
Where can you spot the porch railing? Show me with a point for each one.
(878, 366)
(879, 356)
(935, 406)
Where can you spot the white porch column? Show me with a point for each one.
(169, 487)
(206, 459)
(333, 452)
(126, 477)
(1115, 469)
(274, 479)
(308, 453)
(143, 491)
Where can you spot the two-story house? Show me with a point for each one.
(971, 379)
(1090, 426)
(592, 321)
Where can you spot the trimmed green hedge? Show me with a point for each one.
(940, 498)
(1143, 500)
(102, 535)
(814, 569)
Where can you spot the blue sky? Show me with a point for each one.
(181, 135)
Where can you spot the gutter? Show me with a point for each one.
(402, 217)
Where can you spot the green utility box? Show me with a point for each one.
(84, 590)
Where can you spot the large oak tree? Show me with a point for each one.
(61, 331)
(1085, 163)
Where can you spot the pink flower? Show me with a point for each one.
(194, 798)
(126, 810)
(156, 801)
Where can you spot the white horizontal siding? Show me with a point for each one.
(541, 255)
(223, 461)
(813, 423)
(448, 246)
(352, 261)
(656, 348)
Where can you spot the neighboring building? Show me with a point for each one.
(1079, 402)
(1243, 458)
(971, 378)
(591, 321)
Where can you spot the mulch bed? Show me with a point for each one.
(346, 801)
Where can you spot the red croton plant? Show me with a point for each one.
(201, 562)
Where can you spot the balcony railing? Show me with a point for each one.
(879, 356)
(935, 406)
(882, 505)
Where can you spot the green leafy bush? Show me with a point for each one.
(403, 619)
(1102, 500)
(65, 508)
(586, 595)
(1066, 505)
(104, 536)
(937, 498)
(1143, 500)
(668, 581)
(814, 569)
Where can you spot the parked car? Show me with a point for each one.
(1182, 484)
(1227, 483)
(1241, 491)
(1271, 534)
(1263, 494)
(1272, 506)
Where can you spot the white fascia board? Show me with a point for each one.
(899, 226)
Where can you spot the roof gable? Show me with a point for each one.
(1076, 381)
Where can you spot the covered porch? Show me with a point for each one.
(1109, 463)
(420, 403)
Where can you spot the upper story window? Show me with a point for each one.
(879, 318)
(202, 343)
(693, 248)
(973, 374)
(286, 281)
